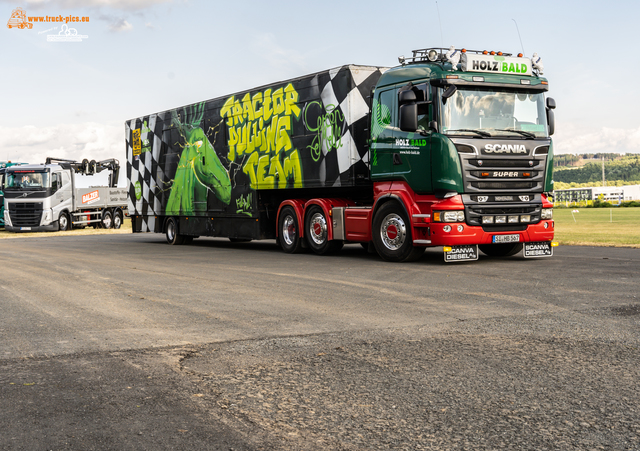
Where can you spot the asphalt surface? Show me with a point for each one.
(123, 342)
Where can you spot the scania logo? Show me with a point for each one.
(505, 148)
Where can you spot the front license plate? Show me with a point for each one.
(461, 253)
(25, 228)
(541, 249)
(506, 238)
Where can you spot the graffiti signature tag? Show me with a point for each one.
(243, 204)
(328, 129)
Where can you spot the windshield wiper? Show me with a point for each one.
(521, 132)
(478, 132)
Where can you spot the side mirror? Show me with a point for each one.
(409, 117)
(551, 120)
(451, 90)
(551, 103)
(406, 96)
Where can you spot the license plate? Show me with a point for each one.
(25, 228)
(535, 250)
(506, 238)
(461, 253)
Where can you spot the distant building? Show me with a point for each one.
(609, 194)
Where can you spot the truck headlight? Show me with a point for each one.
(46, 217)
(547, 213)
(448, 216)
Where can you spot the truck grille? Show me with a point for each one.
(492, 175)
(25, 214)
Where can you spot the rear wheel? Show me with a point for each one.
(501, 250)
(391, 233)
(107, 219)
(289, 229)
(317, 232)
(117, 220)
(171, 232)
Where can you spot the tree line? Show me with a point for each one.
(621, 168)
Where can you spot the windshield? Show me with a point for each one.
(495, 113)
(27, 179)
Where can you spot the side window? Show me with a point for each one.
(384, 114)
(65, 179)
(54, 181)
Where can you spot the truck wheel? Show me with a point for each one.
(391, 234)
(317, 232)
(173, 237)
(501, 250)
(289, 231)
(63, 222)
(117, 220)
(107, 220)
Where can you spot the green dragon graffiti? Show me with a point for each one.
(199, 169)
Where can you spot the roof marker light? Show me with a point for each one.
(484, 52)
(499, 53)
(520, 55)
(492, 52)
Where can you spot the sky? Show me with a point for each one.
(135, 57)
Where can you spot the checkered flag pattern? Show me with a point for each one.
(146, 172)
(347, 88)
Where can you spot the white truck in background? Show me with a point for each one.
(45, 197)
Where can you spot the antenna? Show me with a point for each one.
(440, 21)
(518, 29)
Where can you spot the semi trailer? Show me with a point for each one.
(451, 148)
(46, 197)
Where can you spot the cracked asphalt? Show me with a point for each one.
(122, 342)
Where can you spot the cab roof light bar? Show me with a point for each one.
(438, 54)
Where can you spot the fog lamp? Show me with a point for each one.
(501, 219)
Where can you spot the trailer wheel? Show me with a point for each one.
(391, 234)
(317, 232)
(501, 250)
(107, 219)
(63, 222)
(117, 219)
(171, 229)
(289, 231)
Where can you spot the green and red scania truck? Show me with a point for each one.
(451, 148)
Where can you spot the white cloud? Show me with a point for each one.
(89, 140)
(120, 25)
(578, 139)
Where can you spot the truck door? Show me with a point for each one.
(412, 153)
(62, 198)
(383, 122)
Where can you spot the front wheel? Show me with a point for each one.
(171, 232)
(288, 231)
(317, 232)
(63, 222)
(391, 233)
(501, 250)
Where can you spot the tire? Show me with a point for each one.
(317, 232)
(172, 232)
(117, 220)
(107, 219)
(289, 231)
(391, 233)
(501, 250)
(64, 223)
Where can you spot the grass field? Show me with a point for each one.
(598, 226)
(591, 227)
(126, 228)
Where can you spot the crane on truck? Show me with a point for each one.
(451, 148)
(45, 197)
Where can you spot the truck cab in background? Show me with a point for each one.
(44, 197)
